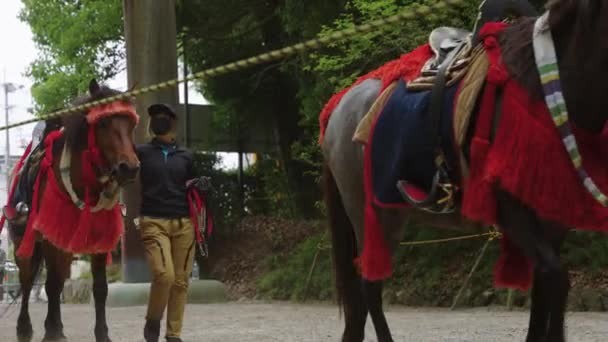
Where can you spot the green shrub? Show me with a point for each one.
(288, 277)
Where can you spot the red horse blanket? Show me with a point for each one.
(55, 216)
(526, 159)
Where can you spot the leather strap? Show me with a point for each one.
(436, 101)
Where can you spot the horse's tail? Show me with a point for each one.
(343, 242)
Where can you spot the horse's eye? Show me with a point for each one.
(103, 123)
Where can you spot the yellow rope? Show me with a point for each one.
(493, 235)
(416, 13)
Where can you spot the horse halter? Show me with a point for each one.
(92, 156)
(547, 64)
(92, 159)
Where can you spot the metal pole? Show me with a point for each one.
(8, 151)
(187, 138)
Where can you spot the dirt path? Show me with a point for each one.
(262, 322)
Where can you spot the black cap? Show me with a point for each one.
(161, 108)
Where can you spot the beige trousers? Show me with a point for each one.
(169, 246)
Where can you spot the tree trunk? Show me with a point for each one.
(286, 112)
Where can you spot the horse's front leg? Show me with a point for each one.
(58, 269)
(100, 293)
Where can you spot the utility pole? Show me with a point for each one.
(151, 39)
(8, 88)
(7, 154)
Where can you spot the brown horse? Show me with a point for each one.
(111, 135)
(579, 30)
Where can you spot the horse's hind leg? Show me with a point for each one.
(28, 269)
(540, 242)
(349, 290)
(557, 287)
(373, 297)
(100, 293)
(58, 269)
(393, 223)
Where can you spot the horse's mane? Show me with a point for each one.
(569, 19)
(518, 55)
(76, 126)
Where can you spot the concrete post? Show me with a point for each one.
(151, 39)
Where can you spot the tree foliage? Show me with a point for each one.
(77, 40)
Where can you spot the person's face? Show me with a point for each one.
(163, 126)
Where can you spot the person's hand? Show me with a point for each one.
(202, 184)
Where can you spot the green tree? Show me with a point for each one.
(77, 40)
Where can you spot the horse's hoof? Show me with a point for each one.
(25, 338)
(55, 338)
(103, 339)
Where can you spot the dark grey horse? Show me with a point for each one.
(579, 29)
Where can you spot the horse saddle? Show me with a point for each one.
(442, 40)
(451, 57)
(17, 209)
(452, 49)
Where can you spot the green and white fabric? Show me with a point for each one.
(547, 64)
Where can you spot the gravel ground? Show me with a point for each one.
(261, 322)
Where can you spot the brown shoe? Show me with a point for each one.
(152, 331)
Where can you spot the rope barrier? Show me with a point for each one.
(415, 13)
(491, 236)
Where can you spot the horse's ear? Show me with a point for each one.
(94, 87)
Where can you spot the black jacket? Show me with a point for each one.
(165, 169)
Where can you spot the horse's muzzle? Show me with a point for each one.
(125, 173)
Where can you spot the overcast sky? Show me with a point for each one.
(18, 51)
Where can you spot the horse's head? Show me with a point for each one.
(106, 133)
(580, 31)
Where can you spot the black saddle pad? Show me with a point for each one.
(402, 144)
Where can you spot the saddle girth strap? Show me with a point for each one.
(440, 199)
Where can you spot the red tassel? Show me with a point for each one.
(376, 263)
(75, 230)
(194, 204)
(90, 157)
(478, 200)
(513, 269)
(80, 237)
(209, 218)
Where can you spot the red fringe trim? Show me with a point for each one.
(75, 230)
(119, 107)
(513, 269)
(528, 160)
(407, 67)
(62, 223)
